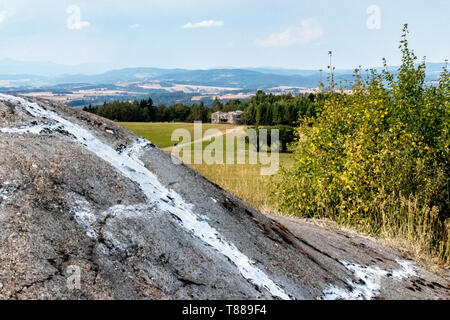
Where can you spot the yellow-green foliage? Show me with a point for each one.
(369, 155)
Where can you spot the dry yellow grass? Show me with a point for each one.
(245, 181)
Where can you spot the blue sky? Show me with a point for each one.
(216, 33)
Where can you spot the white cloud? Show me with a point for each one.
(309, 30)
(203, 24)
(2, 16)
(134, 26)
(74, 20)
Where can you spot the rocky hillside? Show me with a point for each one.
(83, 199)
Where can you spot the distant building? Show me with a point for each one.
(233, 117)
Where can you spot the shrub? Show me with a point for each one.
(286, 136)
(369, 155)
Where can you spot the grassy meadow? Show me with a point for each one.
(160, 133)
(242, 180)
(245, 181)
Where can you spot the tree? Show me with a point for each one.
(217, 105)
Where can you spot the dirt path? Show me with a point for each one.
(205, 138)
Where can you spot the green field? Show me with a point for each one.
(243, 180)
(160, 133)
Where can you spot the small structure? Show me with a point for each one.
(233, 117)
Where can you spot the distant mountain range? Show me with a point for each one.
(48, 69)
(15, 74)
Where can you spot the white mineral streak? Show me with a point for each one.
(370, 285)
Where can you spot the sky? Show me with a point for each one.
(198, 34)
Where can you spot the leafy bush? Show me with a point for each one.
(378, 158)
(286, 136)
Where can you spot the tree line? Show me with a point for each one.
(262, 109)
(145, 111)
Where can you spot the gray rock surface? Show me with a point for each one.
(80, 194)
